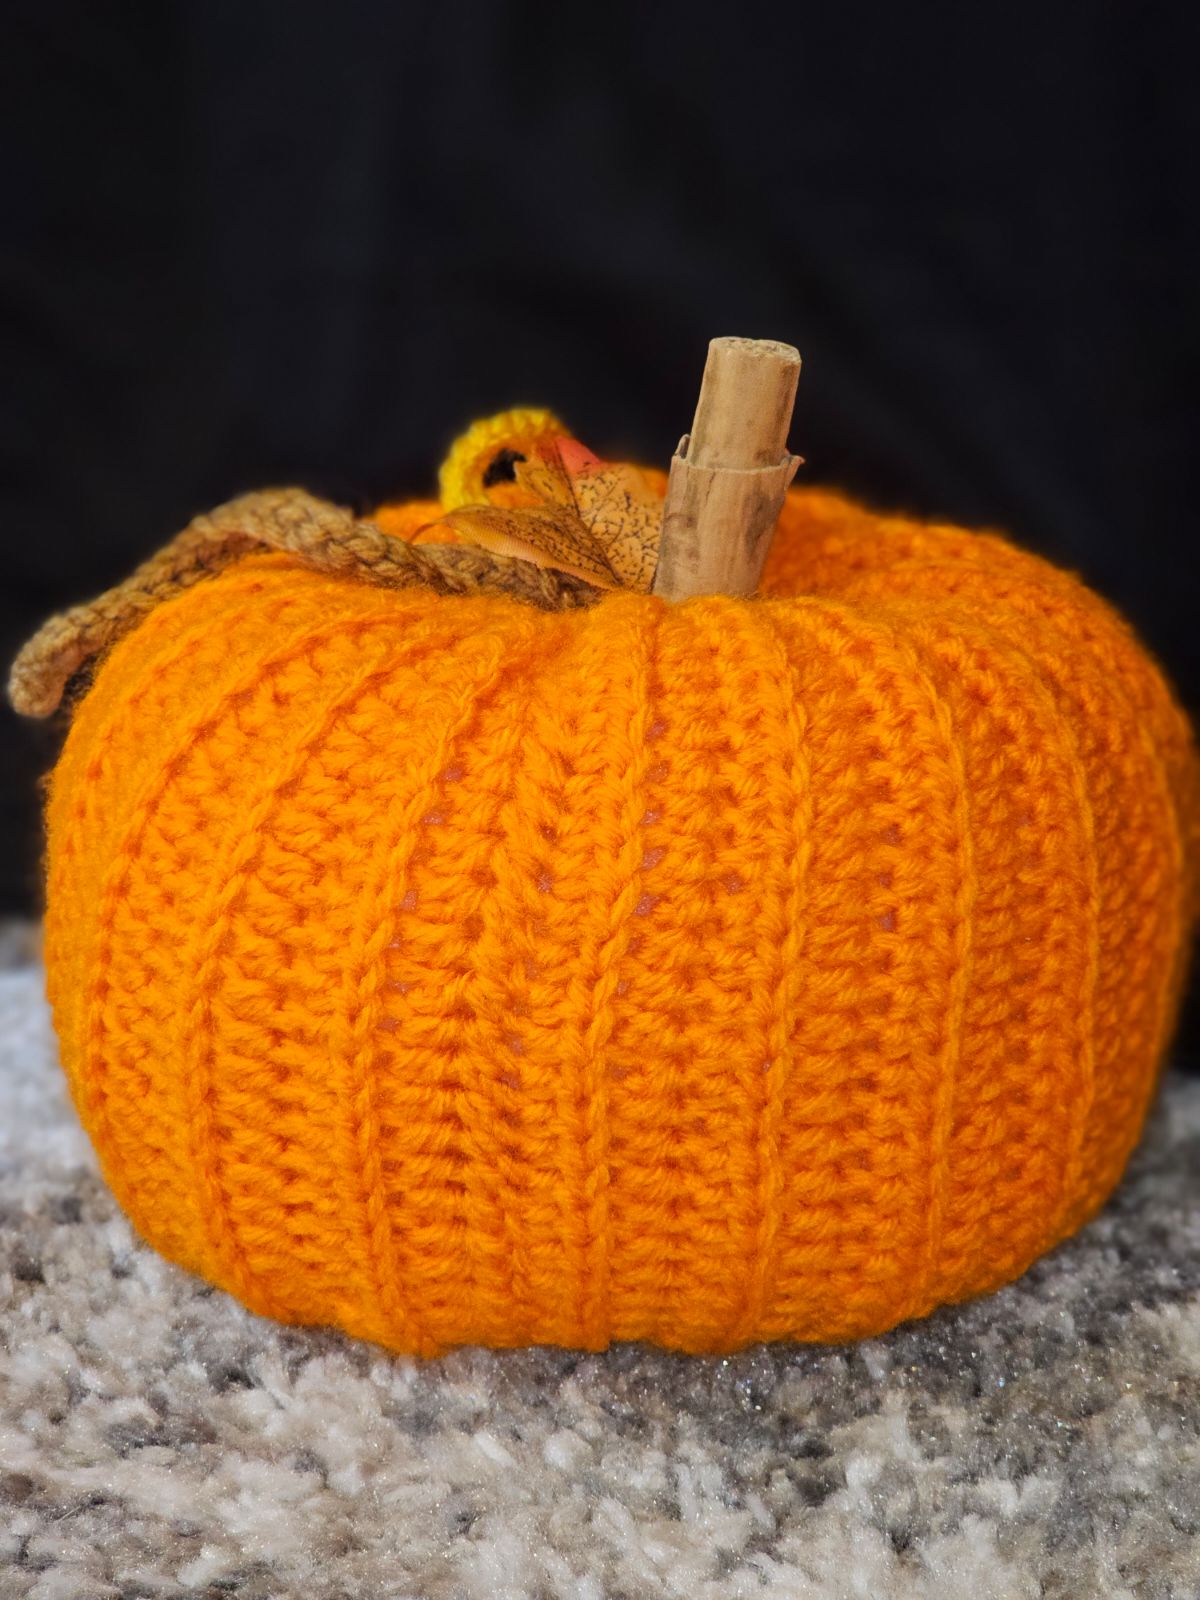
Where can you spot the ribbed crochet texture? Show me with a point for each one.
(456, 972)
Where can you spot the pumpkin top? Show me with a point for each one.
(517, 493)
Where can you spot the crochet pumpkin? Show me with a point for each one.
(564, 965)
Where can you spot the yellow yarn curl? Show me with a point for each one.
(460, 480)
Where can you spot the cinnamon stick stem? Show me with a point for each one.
(730, 474)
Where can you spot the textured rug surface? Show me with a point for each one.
(156, 1440)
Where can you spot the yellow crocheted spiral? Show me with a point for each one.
(461, 479)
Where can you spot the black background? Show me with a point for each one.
(248, 243)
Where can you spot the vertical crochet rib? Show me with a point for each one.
(453, 971)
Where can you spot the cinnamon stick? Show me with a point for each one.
(730, 474)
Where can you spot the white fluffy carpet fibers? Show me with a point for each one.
(157, 1440)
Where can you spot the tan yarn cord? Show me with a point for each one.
(324, 536)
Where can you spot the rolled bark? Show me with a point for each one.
(730, 474)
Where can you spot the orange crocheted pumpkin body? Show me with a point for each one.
(456, 972)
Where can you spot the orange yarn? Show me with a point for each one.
(455, 972)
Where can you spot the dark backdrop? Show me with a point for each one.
(250, 243)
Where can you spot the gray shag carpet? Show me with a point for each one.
(157, 1440)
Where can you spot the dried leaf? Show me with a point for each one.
(550, 535)
(594, 519)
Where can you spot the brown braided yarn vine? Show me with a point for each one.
(326, 537)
